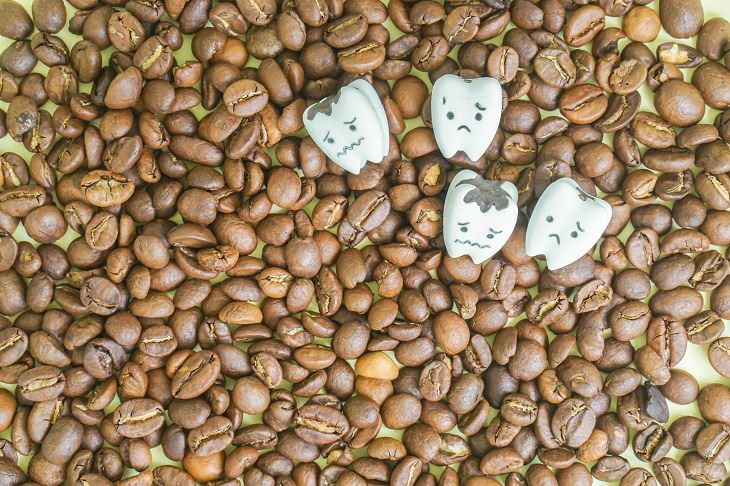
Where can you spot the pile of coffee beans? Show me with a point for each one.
(182, 269)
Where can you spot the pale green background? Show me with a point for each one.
(695, 361)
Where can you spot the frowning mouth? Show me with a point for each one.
(472, 243)
(556, 237)
(464, 127)
(351, 146)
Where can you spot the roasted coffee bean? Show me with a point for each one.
(584, 25)
(62, 441)
(105, 188)
(679, 103)
(573, 422)
(698, 468)
(583, 104)
(684, 431)
(320, 424)
(138, 417)
(712, 442)
(638, 476)
(681, 19)
(213, 436)
(718, 355)
(704, 327)
(653, 131)
(610, 468)
(245, 97)
(195, 375)
(652, 443)
(501, 461)
(14, 342)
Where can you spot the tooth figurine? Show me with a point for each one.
(350, 126)
(565, 223)
(465, 114)
(479, 216)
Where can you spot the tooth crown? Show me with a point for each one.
(565, 223)
(465, 114)
(479, 216)
(350, 126)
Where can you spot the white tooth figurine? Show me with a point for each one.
(565, 223)
(465, 114)
(350, 126)
(479, 216)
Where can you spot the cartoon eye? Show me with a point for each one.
(330, 140)
(450, 115)
(490, 236)
(574, 234)
(351, 124)
(464, 229)
(549, 219)
(478, 117)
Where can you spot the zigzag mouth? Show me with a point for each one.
(472, 243)
(351, 146)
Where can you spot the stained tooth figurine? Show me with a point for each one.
(465, 114)
(479, 216)
(565, 223)
(350, 126)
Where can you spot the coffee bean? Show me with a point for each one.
(62, 440)
(195, 375)
(19, 24)
(627, 77)
(650, 364)
(711, 442)
(365, 56)
(653, 131)
(610, 468)
(245, 97)
(652, 443)
(211, 437)
(573, 422)
(681, 19)
(583, 104)
(584, 25)
(698, 468)
(138, 417)
(669, 471)
(319, 424)
(679, 103)
(501, 461)
(711, 36)
(638, 476)
(718, 354)
(104, 188)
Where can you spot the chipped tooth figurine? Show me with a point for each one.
(479, 216)
(565, 223)
(465, 114)
(350, 126)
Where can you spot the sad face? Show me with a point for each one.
(566, 223)
(465, 114)
(350, 126)
(479, 216)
